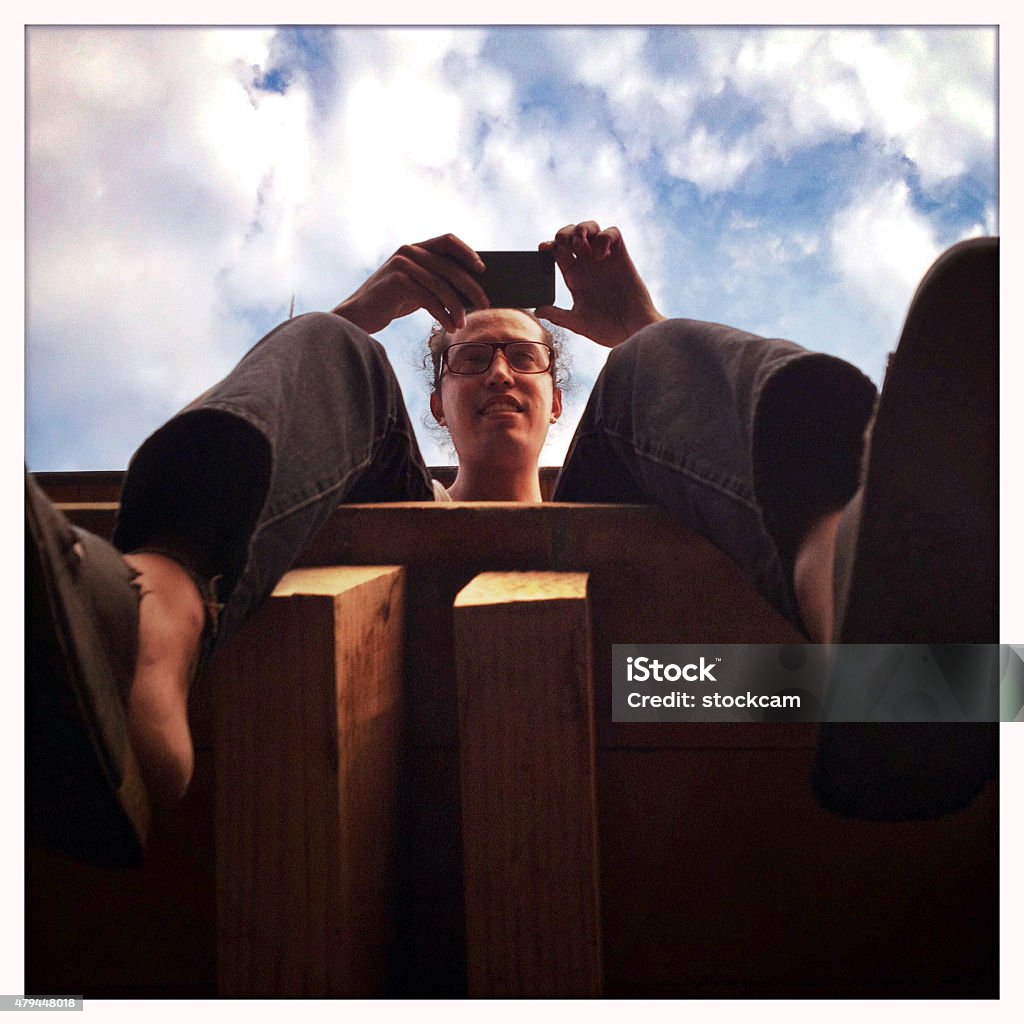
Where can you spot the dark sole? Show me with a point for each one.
(84, 793)
(925, 565)
(918, 551)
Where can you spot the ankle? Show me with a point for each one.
(167, 583)
(813, 568)
(172, 623)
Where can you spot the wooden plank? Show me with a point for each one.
(723, 878)
(307, 720)
(105, 485)
(692, 593)
(139, 933)
(81, 485)
(95, 516)
(627, 550)
(526, 729)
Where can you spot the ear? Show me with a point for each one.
(437, 409)
(556, 404)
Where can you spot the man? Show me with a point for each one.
(757, 444)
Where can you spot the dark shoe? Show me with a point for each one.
(924, 539)
(917, 554)
(84, 793)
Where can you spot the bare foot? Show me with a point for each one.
(171, 619)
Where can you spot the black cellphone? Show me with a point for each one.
(518, 280)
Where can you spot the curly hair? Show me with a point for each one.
(440, 339)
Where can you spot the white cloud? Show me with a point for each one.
(882, 246)
(924, 93)
(708, 161)
(927, 94)
(170, 199)
(150, 161)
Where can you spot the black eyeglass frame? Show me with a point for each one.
(495, 346)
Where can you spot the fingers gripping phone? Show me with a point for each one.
(518, 280)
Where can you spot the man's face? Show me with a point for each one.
(499, 417)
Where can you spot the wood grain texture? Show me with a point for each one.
(527, 759)
(307, 704)
(719, 874)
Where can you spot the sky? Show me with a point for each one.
(183, 184)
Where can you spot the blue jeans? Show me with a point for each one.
(740, 437)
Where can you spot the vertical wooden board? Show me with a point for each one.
(276, 799)
(528, 776)
(370, 709)
(307, 706)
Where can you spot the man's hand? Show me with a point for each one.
(610, 301)
(436, 275)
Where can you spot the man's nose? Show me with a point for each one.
(499, 373)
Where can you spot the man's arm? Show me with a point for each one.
(435, 275)
(610, 300)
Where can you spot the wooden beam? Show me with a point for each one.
(526, 730)
(307, 720)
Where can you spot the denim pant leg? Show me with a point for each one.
(723, 428)
(241, 479)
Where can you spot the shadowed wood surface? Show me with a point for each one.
(719, 874)
(307, 709)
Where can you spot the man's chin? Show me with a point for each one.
(510, 449)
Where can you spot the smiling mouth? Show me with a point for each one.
(504, 405)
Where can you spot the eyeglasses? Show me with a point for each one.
(466, 358)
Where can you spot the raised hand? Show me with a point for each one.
(610, 300)
(436, 275)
